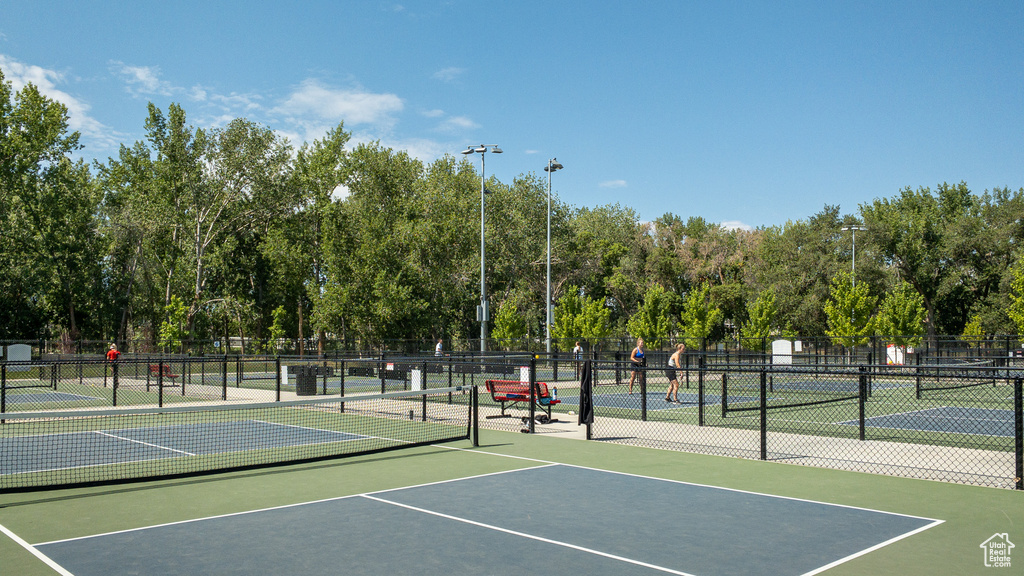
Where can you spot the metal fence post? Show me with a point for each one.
(700, 390)
(643, 389)
(764, 415)
(277, 377)
(1018, 425)
(862, 399)
(725, 398)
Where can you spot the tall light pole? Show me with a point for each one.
(482, 313)
(550, 168)
(853, 265)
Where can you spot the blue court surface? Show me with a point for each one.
(656, 400)
(981, 421)
(44, 397)
(93, 448)
(527, 521)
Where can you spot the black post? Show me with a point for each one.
(533, 394)
(380, 372)
(277, 378)
(1018, 425)
(474, 411)
(725, 397)
(643, 389)
(764, 415)
(224, 378)
(917, 374)
(341, 382)
(863, 384)
(3, 388)
(700, 390)
(160, 386)
(113, 370)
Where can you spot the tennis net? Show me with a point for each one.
(84, 447)
(789, 388)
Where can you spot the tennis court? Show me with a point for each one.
(959, 420)
(658, 527)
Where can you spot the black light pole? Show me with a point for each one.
(552, 166)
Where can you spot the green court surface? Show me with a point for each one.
(970, 515)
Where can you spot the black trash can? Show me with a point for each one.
(305, 381)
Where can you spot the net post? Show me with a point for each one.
(862, 399)
(533, 395)
(224, 378)
(423, 387)
(474, 412)
(160, 384)
(1018, 426)
(764, 414)
(185, 365)
(3, 387)
(277, 377)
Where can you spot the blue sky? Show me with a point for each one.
(747, 113)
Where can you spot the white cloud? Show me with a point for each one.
(433, 113)
(531, 151)
(457, 123)
(613, 184)
(238, 103)
(20, 74)
(311, 99)
(142, 80)
(736, 225)
(449, 74)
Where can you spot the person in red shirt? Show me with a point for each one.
(113, 354)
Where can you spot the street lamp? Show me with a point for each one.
(482, 313)
(550, 168)
(853, 265)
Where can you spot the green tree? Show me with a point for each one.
(901, 316)
(509, 324)
(580, 318)
(849, 311)
(699, 317)
(653, 321)
(760, 319)
(172, 329)
(1016, 308)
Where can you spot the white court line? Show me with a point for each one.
(532, 537)
(271, 508)
(32, 550)
(151, 445)
(737, 490)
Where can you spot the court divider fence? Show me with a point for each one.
(933, 418)
(951, 422)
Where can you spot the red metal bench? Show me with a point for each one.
(162, 370)
(511, 392)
